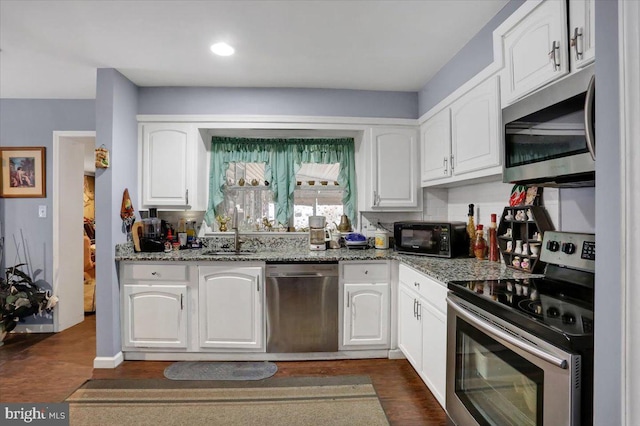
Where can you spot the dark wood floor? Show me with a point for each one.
(48, 368)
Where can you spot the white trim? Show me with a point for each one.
(33, 328)
(108, 361)
(629, 45)
(251, 356)
(273, 120)
(55, 213)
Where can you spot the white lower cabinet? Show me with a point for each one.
(366, 293)
(155, 305)
(231, 307)
(422, 327)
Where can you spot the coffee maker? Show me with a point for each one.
(317, 233)
(148, 235)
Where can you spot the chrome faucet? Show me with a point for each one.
(237, 242)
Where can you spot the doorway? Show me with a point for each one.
(73, 159)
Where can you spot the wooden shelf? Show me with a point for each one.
(525, 231)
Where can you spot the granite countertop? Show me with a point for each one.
(441, 269)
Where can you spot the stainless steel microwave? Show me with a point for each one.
(549, 136)
(441, 239)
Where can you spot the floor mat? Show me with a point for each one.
(202, 370)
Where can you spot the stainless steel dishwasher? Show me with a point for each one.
(302, 307)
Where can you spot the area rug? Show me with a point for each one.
(340, 400)
(230, 370)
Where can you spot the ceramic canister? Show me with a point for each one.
(381, 239)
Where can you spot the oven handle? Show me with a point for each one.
(558, 362)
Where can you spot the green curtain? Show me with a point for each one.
(283, 159)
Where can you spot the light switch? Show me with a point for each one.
(42, 211)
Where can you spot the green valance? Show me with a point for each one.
(283, 159)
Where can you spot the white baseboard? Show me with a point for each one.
(33, 328)
(108, 361)
(396, 354)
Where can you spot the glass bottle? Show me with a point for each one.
(494, 251)
(480, 246)
(191, 231)
(471, 231)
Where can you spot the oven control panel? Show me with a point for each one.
(569, 249)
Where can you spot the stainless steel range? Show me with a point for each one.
(520, 351)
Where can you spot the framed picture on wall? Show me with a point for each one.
(22, 172)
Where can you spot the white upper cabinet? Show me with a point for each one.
(169, 166)
(463, 141)
(394, 172)
(536, 50)
(475, 129)
(435, 139)
(582, 33)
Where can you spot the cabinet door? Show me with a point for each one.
(366, 315)
(435, 140)
(231, 307)
(434, 349)
(582, 32)
(409, 327)
(528, 61)
(395, 162)
(166, 157)
(475, 129)
(155, 316)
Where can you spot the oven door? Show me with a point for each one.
(499, 375)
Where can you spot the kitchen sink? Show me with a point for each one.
(226, 253)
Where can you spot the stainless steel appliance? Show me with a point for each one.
(441, 239)
(317, 233)
(520, 351)
(302, 307)
(549, 136)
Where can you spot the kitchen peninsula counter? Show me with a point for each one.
(441, 269)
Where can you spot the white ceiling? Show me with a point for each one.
(51, 49)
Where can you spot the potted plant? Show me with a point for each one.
(19, 298)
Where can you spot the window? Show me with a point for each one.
(282, 180)
(317, 192)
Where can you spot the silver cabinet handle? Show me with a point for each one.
(366, 272)
(493, 331)
(258, 285)
(154, 273)
(444, 163)
(416, 284)
(181, 301)
(415, 303)
(375, 198)
(575, 42)
(186, 195)
(348, 298)
(553, 55)
(418, 314)
(588, 117)
(452, 164)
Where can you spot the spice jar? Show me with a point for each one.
(480, 246)
(381, 239)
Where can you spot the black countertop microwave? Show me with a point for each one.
(549, 135)
(441, 239)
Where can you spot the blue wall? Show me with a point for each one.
(469, 61)
(31, 122)
(117, 130)
(277, 101)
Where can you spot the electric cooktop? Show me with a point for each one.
(557, 308)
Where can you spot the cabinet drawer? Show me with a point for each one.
(365, 271)
(430, 289)
(154, 272)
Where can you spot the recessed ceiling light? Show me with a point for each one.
(222, 49)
